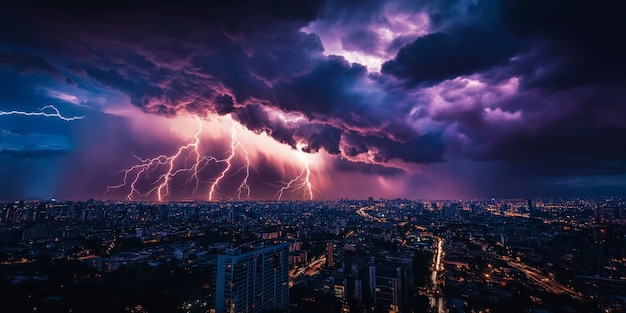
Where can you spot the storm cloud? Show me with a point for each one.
(383, 87)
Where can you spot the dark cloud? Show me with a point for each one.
(224, 104)
(570, 132)
(229, 68)
(361, 40)
(580, 140)
(440, 56)
(70, 81)
(255, 118)
(399, 42)
(351, 11)
(283, 53)
(139, 90)
(195, 60)
(325, 90)
(320, 137)
(313, 136)
(575, 43)
(365, 168)
(233, 14)
(427, 148)
(537, 85)
(565, 117)
(26, 62)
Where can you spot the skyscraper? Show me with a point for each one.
(253, 279)
(389, 284)
(330, 261)
(531, 209)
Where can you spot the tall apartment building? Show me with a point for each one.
(330, 255)
(389, 283)
(252, 279)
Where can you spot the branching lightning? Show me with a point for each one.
(228, 160)
(162, 182)
(180, 163)
(301, 183)
(56, 113)
(244, 184)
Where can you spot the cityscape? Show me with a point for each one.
(334, 156)
(374, 255)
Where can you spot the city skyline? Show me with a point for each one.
(370, 256)
(317, 100)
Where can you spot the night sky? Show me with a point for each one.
(322, 99)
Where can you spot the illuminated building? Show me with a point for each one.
(330, 258)
(253, 279)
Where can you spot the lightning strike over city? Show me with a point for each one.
(162, 181)
(302, 182)
(244, 187)
(234, 144)
(153, 177)
(313, 156)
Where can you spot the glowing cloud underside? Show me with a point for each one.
(158, 172)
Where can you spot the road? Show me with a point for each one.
(436, 300)
(437, 262)
(309, 270)
(540, 279)
(363, 212)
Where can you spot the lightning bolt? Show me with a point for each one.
(244, 184)
(228, 160)
(56, 113)
(243, 187)
(172, 163)
(302, 182)
(162, 182)
(163, 188)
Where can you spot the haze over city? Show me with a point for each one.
(311, 100)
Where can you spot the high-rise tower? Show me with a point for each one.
(253, 279)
